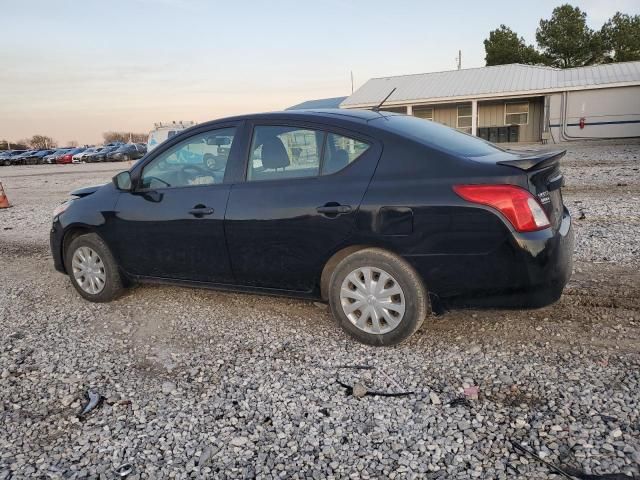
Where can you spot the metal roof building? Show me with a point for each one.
(333, 102)
(530, 99)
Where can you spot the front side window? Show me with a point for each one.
(284, 152)
(340, 151)
(197, 160)
(516, 113)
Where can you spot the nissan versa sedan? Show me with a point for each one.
(379, 214)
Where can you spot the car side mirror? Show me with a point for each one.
(122, 181)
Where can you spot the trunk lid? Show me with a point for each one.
(545, 179)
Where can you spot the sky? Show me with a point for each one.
(74, 69)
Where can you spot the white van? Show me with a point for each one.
(164, 131)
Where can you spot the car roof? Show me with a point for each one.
(352, 115)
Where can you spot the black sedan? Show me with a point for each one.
(24, 157)
(379, 214)
(97, 155)
(37, 156)
(130, 151)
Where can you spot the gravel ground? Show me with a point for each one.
(203, 384)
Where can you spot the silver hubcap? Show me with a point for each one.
(88, 270)
(372, 300)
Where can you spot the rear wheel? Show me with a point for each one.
(92, 269)
(377, 297)
(6, 163)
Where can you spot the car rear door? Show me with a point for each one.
(298, 202)
(171, 225)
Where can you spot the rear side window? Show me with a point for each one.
(284, 152)
(341, 151)
(439, 136)
(279, 152)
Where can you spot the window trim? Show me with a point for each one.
(252, 124)
(516, 113)
(425, 107)
(458, 116)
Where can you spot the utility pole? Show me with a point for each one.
(459, 59)
(351, 82)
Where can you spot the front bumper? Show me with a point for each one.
(56, 235)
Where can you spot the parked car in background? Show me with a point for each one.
(6, 156)
(101, 156)
(130, 151)
(53, 157)
(67, 157)
(80, 157)
(20, 159)
(374, 212)
(38, 156)
(91, 156)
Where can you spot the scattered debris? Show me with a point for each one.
(459, 402)
(350, 391)
(582, 216)
(359, 390)
(123, 470)
(94, 400)
(435, 399)
(605, 476)
(23, 356)
(472, 392)
(356, 367)
(554, 468)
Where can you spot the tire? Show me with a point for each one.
(411, 299)
(6, 163)
(112, 286)
(125, 158)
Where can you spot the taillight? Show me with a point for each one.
(517, 204)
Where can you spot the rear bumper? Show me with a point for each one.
(529, 270)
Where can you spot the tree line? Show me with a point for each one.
(41, 142)
(565, 41)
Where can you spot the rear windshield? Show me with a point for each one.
(440, 136)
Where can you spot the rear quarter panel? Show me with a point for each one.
(411, 209)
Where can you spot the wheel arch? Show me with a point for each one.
(70, 234)
(336, 258)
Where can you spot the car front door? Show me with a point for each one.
(171, 225)
(298, 203)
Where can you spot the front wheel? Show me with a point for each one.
(92, 269)
(377, 297)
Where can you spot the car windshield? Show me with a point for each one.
(439, 136)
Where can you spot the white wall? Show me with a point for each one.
(608, 113)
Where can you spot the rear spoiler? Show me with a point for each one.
(534, 162)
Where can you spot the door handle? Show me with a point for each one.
(334, 209)
(201, 211)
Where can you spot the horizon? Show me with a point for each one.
(127, 65)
